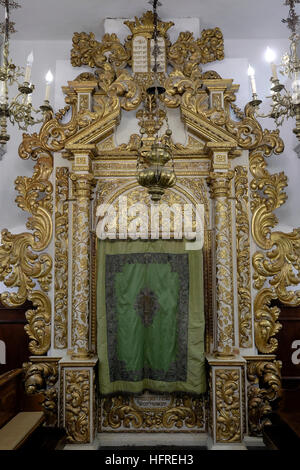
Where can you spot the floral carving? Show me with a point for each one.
(77, 397)
(228, 411)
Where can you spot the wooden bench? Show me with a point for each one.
(284, 433)
(22, 418)
(16, 424)
(14, 433)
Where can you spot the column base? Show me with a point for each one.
(81, 355)
(230, 446)
(220, 355)
(78, 407)
(226, 402)
(256, 442)
(152, 439)
(89, 446)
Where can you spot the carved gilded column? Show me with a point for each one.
(224, 324)
(61, 258)
(83, 187)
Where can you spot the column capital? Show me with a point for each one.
(84, 184)
(82, 159)
(83, 86)
(219, 182)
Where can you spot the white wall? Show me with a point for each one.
(52, 54)
(45, 56)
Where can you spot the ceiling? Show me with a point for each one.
(59, 19)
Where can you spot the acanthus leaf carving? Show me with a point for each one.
(41, 377)
(248, 131)
(128, 90)
(228, 417)
(39, 323)
(187, 53)
(20, 265)
(279, 262)
(264, 379)
(88, 51)
(77, 397)
(182, 412)
(265, 321)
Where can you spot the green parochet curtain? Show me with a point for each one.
(150, 319)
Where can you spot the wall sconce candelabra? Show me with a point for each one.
(19, 109)
(152, 170)
(284, 104)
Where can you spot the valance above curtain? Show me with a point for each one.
(150, 319)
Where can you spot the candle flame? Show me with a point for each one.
(49, 77)
(270, 55)
(251, 71)
(30, 58)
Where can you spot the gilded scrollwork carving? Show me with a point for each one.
(32, 147)
(267, 189)
(39, 376)
(211, 44)
(187, 53)
(77, 405)
(279, 261)
(61, 258)
(228, 410)
(42, 378)
(265, 322)
(183, 413)
(20, 264)
(54, 133)
(127, 89)
(88, 51)
(111, 57)
(118, 412)
(189, 93)
(281, 264)
(39, 323)
(22, 258)
(243, 256)
(264, 387)
(247, 132)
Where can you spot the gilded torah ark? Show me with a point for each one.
(246, 262)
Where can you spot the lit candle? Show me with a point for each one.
(2, 93)
(28, 67)
(251, 74)
(270, 57)
(49, 79)
(296, 88)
